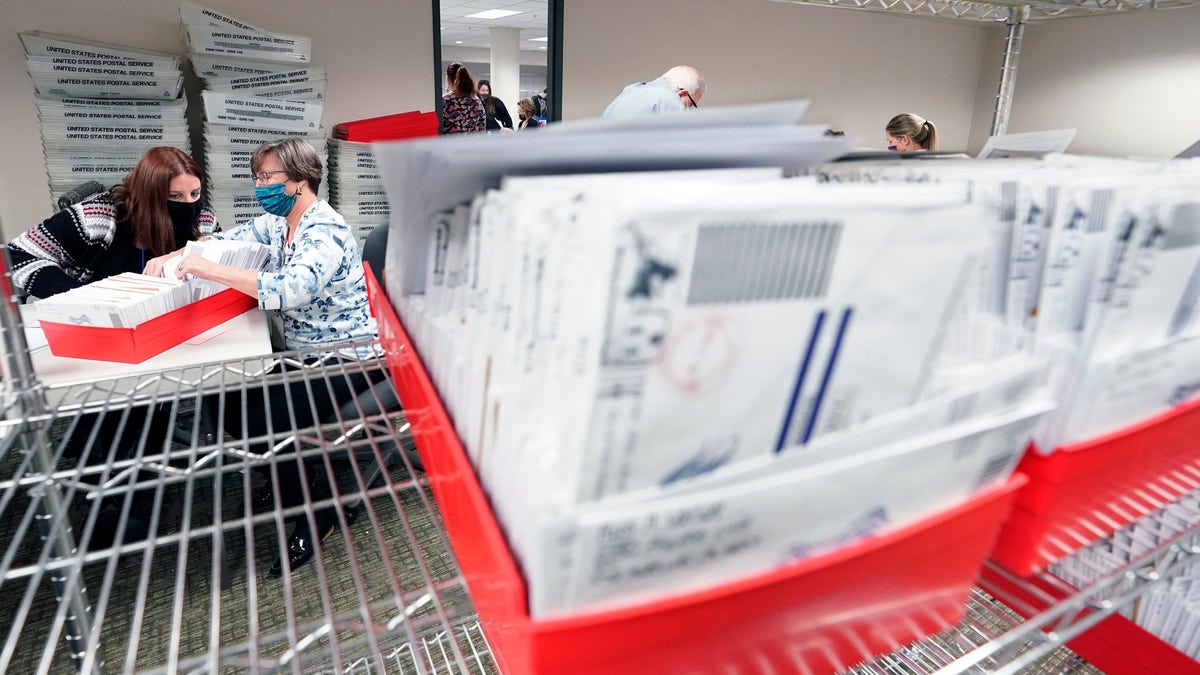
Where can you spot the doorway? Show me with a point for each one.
(516, 45)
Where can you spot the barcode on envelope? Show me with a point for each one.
(997, 467)
(769, 261)
(1098, 213)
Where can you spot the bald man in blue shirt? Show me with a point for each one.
(676, 90)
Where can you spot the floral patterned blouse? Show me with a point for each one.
(462, 114)
(316, 281)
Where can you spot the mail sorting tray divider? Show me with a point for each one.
(1084, 492)
(823, 614)
(383, 593)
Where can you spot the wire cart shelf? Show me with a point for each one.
(193, 594)
(384, 593)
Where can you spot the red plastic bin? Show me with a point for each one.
(149, 338)
(1086, 491)
(818, 615)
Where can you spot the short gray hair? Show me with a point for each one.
(297, 157)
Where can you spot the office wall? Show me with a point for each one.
(378, 58)
(533, 69)
(858, 68)
(529, 57)
(1127, 82)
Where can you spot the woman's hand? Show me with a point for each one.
(245, 281)
(154, 266)
(197, 266)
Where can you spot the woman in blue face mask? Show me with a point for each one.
(156, 209)
(314, 278)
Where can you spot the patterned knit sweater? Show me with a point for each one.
(77, 246)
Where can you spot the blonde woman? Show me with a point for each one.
(525, 110)
(907, 132)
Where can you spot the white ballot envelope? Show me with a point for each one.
(121, 301)
(1134, 386)
(612, 554)
(720, 346)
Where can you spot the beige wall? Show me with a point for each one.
(858, 68)
(985, 94)
(378, 57)
(1129, 83)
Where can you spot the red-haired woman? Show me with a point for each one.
(156, 210)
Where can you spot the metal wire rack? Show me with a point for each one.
(192, 593)
(1051, 608)
(999, 11)
(384, 594)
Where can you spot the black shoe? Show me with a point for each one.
(301, 545)
(300, 550)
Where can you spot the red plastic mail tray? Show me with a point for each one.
(411, 124)
(1084, 492)
(818, 615)
(134, 345)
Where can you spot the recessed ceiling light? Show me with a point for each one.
(541, 39)
(458, 42)
(542, 48)
(493, 14)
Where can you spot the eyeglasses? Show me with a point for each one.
(264, 176)
(690, 99)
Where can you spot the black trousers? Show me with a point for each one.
(297, 404)
(116, 435)
(113, 436)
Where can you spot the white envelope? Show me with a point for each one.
(628, 552)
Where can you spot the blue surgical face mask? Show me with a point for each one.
(274, 199)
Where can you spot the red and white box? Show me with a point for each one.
(149, 338)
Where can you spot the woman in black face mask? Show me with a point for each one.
(156, 210)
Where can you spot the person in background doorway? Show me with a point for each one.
(462, 111)
(525, 110)
(497, 113)
(907, 132)
(541, 106)
(676, 90)
(158, 208)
